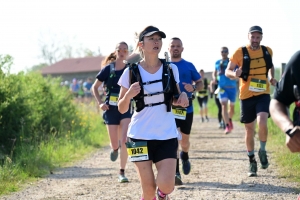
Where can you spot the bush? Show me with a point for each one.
(32, 108)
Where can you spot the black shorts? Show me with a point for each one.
(185, 125)
(253, 105)
(160, 149)
(113, 116)
(202, 101)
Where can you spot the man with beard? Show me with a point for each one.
(187, 76)
(255, 71)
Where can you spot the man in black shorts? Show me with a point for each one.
(287, 91)
(187, 76)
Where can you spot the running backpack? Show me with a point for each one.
(108, 85)
(170, 89)
(247, 60)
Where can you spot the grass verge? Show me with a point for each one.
(38, 160)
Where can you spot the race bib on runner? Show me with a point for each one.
(179, 113)
(257, 85)
(137, 151)
(113, 99)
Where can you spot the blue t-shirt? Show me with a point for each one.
(187, 74)
(103, 76)
(224, 81)
(74, 88)
(87, 85)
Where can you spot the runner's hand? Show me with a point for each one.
(273, 81)
(188, 87)
(293, 143)
(237, 73)
(104, 106)
(134, 89)
(182, 101)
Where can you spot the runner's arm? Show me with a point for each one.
(95, 91)
(271, 73)
(231, 71)
(214, 76)
(279, 114)
(126, 95)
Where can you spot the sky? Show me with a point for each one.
(203, 26)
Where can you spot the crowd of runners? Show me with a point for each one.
(148, 109)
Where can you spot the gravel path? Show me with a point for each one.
(219, 171)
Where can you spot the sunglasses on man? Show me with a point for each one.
(224, 51)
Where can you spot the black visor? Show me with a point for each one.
(150, 31)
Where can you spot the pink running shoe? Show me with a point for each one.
(227, 130)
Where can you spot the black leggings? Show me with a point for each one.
(219, 109)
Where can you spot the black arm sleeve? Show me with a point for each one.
(291, 76)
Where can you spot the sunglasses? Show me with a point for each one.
(122, 50)
(224, 51)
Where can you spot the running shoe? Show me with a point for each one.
(122, 178)
(207, 119)
(202, 119)
(178, 180)
(263, 159)
(227, 130)
(114, 155)
(161, 198)
(252, 169)
(186, 166)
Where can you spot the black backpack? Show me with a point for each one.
(170, 89)
(247, 60)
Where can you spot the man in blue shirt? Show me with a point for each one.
(188, 75)
(227, 89)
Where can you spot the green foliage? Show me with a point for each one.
(41, 127)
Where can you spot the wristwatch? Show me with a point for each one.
(194, 86)
(291, 132)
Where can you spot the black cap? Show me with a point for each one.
(150, 31)
(255, 29)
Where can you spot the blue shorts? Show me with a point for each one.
(113, 116)
(228, 94)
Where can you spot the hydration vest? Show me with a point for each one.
(170, 89)
(204, 90)
(247, 60)
(108, 85)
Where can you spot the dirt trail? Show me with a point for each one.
(219, 171)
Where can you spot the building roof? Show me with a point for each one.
(74, 65)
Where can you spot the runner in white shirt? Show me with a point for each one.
(152, 133)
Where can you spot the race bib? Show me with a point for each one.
(257, 85)
(179, 113)
(113, 99)
(137, 151)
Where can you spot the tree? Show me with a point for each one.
(37, 67)
(55, 48)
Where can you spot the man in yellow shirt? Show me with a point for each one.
(256, 72)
